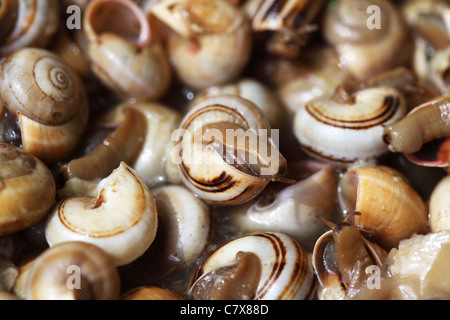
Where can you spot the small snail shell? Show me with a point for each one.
(73, 270)
(121, 218)
(418, 268)
(439, 206)
(253, 90)
(184, 225)
(151, 293)
(214, 159)
(389, 207)
(366, 51)
(285, 268)
(37, 22)
(293, 209)
(344, 132)
(121, 51)
(210, 43)
(27, 192)
(49, 99)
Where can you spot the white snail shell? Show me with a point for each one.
(121, 218)
(286, 272)
(224, 172)
(344, 133)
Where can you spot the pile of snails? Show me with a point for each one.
(224, 149)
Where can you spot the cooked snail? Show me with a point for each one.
(210, 42)
(122, 52)
(345, 129)
(121, 218)
(259, 266)
(222, 150)
(73, 270)
(366, 47)
(27, 192)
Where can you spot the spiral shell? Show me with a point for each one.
(364, 49)
(346, 132)
(214, 166)
(36, 21)
(286, 270)
(121, 218)
(73, 270)
(27, 189)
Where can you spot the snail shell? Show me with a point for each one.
(285, 267)
(57, 267)
(27, 189)
(36, 23)
(221, 169)
(121, 51)
(49, 99)
(121, 218)
(210, 43)
(366, 51)
(389, 207)
(344, 132)
(150, 293)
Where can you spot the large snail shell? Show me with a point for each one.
(73, 270)
(121, 51)
(49, 99)
(211, 42)
(37, 21)
(346, 132)
(285, 267)
(121, 218)
(8, 17)
(41, 86)
(221, 169)
(27, 189)
(366, 51)
(389, 207)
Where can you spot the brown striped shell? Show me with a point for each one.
(222, 150)
(349, 131)
(285, 267)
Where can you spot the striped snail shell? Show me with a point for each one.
(282, 270)
(222, 150)
(348, 131)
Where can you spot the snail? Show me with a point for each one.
(210, 43)
(346, 129)
(34, 24)
(364, 49)
(49, 100)
(122, 52)
(289, 22)
(73, 270)
(27, 192)
(222, 150)
(426, 123)
(341, 257)
(120, 218)
(418, 268)
(256, 266)
(389, 207)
